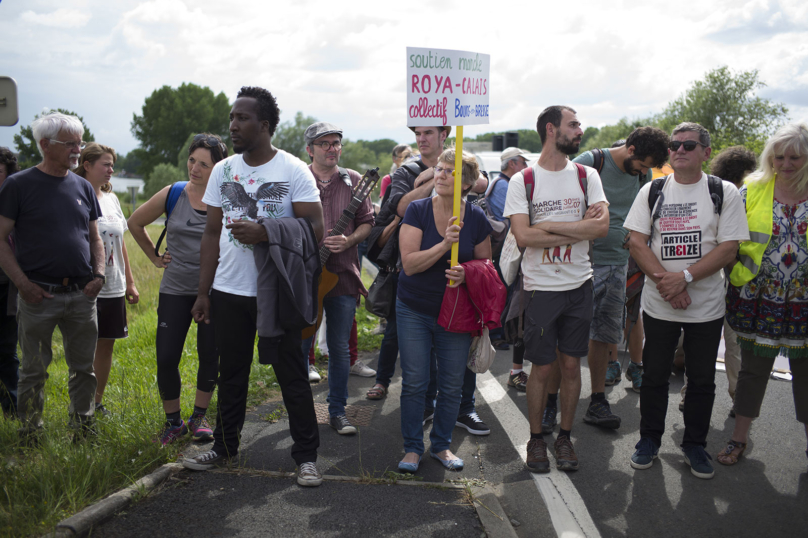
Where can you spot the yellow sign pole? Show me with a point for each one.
(458, 186)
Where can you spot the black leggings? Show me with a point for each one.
(173, 320)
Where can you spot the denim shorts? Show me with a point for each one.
(608, 309)
(557, 319)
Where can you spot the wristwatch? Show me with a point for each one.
(104, 279)
(688, 276)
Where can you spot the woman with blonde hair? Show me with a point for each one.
(767, 299)
(96, 165)
(428, 232)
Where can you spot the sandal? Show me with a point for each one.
(376, 392)
(731, 454)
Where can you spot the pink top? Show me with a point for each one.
(385, 183)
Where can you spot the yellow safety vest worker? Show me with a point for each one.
(760, 217)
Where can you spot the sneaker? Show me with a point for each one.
(537, 460)
(699, 461)
(172, 433)
(429, 414)
(102, 411)
(600, 414)
(308, 475)
(473, 424)
(613, 373)
(341, 424)
(200, 428)
(549, 420)
(566, 459)
(634, 373)
(646, 453)
(203, 462)
(362, 370)
(314, 375)
(518, 381)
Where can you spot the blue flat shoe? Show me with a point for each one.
(454, 464)
(406, 467)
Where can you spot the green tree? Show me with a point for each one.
(726, 104)
(161, 176)
(381, 146)
(289, 136)
(357, 156)
(129, 162)
(169, 115)
(26, 145)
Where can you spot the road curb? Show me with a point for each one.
(492, 516)
(80, 524)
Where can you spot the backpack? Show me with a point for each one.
(171, 201)
(656, 198)
(500, 228)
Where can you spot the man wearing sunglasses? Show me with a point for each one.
(58, 270)
(691, 240)
(324, 146)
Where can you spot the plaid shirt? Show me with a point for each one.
(335, 197)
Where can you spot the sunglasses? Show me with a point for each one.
(209, 141)
(689, 145)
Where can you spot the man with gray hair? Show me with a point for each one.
(58, 270)
(513, 161)
(694, 223)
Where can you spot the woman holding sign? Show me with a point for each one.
(428, 232)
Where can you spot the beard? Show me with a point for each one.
(74, 160)
(628, 167)
(568, 146)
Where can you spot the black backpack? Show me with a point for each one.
(656, 198)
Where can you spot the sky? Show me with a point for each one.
(345, 62)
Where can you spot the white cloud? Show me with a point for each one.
(61, 18)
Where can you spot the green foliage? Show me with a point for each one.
(381, 146)
(129, 162)
(169, 115)
(289, 136)
(182, 156)
(26, 145)
(162, 176)
(357, 156)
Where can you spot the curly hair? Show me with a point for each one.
(8, 158)
(733, 164)
(649, 142)
(267, 105)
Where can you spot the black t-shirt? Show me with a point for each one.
(51, 221)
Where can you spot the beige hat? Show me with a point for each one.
(510, 153)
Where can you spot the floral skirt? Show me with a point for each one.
(770, 317)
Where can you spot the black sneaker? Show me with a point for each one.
(549, 420)
(429, 414)
(473, 424)
(102, 411)
(341, 424)
(600, 414)
(205, 461)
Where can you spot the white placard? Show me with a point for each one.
(447, 87)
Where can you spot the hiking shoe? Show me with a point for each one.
(613, 373)
(308, 475)
(200, 428)
(83, 427)
(537, 460)
(699, 461)
(646, 453)
(518, 381)
(341, 424)
(172, 433)
(549, 420)
(314, 375)
(102, 411)
(429, 414)
(600, 414)
(362, 370)
(566, 459)
(634, 373)
(473, 424)
(205, 461)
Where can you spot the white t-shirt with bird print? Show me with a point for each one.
(250, 193)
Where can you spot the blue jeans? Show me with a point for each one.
(340, 312)
(420, 337)
(388, 351)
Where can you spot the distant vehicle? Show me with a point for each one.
(491, 163)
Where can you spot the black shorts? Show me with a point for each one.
(112, 318)
(558, 319)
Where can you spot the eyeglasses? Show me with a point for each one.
(447, 171)
(689, 145)
(209, 141)
(328, 145)
(78, 145)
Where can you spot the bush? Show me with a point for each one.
(162, 176)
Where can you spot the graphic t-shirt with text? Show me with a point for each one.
(688, 229)
(249, 193)
(557, 197)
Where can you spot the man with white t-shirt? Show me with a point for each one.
(259, 182)
(558, 285)
(692, 238)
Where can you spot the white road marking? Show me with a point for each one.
(568, 512)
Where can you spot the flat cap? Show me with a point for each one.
(321, 128)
